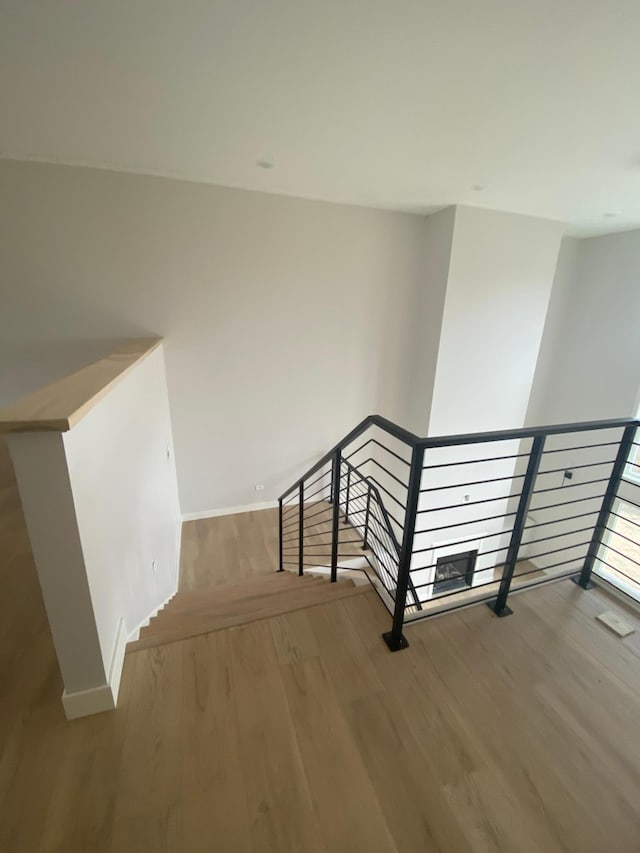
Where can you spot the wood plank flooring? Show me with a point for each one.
(231, 549)
(303, 733)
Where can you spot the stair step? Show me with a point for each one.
(272, 584)
(170, 628)
(245, 598)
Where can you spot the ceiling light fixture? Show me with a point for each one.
(264, 164)
(477, 188)
(609, 215)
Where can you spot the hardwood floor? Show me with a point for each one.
(303, 733)
(231, 549)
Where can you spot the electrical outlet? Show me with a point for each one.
(259, 487)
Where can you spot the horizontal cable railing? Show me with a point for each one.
(445, 522)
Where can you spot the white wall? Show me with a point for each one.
(500, 278)
(42, 475)
(588, 369)
(427, 315)
(122, 473)
(285, 320)
(25, 368)
(589, 366)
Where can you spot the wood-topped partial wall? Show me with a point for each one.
(60, 405)
(93, 458)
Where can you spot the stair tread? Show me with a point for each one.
(250, 597)
(169, 628)
(272, 584)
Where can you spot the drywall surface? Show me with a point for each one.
(123, 481)
(588, 369)
(555, 329)
(500, 279)
(427, 315)
(45, 492)
(285, 321)
(27, 368)
(589, 366)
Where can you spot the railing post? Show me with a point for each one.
(280, 558)
(584, 580)
(335, 482)
(346, 511)
(365, 544)
(394, 638)
(499, 606)
(301, 528)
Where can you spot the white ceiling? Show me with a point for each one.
(403, 104)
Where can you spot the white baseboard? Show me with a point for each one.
(228, 510)
(624, 598)
(84, 703)
(178, 554)
(117, 660)
(96, 700)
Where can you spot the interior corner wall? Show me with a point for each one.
(285, 320)
(425, 323)
(500, 279)
(589, 364)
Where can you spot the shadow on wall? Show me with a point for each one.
(27, 365)
(394, 343)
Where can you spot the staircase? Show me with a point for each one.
(447, 522)
(189, 614)
(433, 524)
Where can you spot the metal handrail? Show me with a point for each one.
(387, 523)
(404, 585)
(412, 440)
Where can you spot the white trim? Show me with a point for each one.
(117, 660)
(610, 579)
(95, 700)
(228, 510)
(446, 548)
(83, 703)
(616, 592)
(178, 553)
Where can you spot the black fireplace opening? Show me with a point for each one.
(455, 571)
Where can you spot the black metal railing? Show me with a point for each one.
(516, 508)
